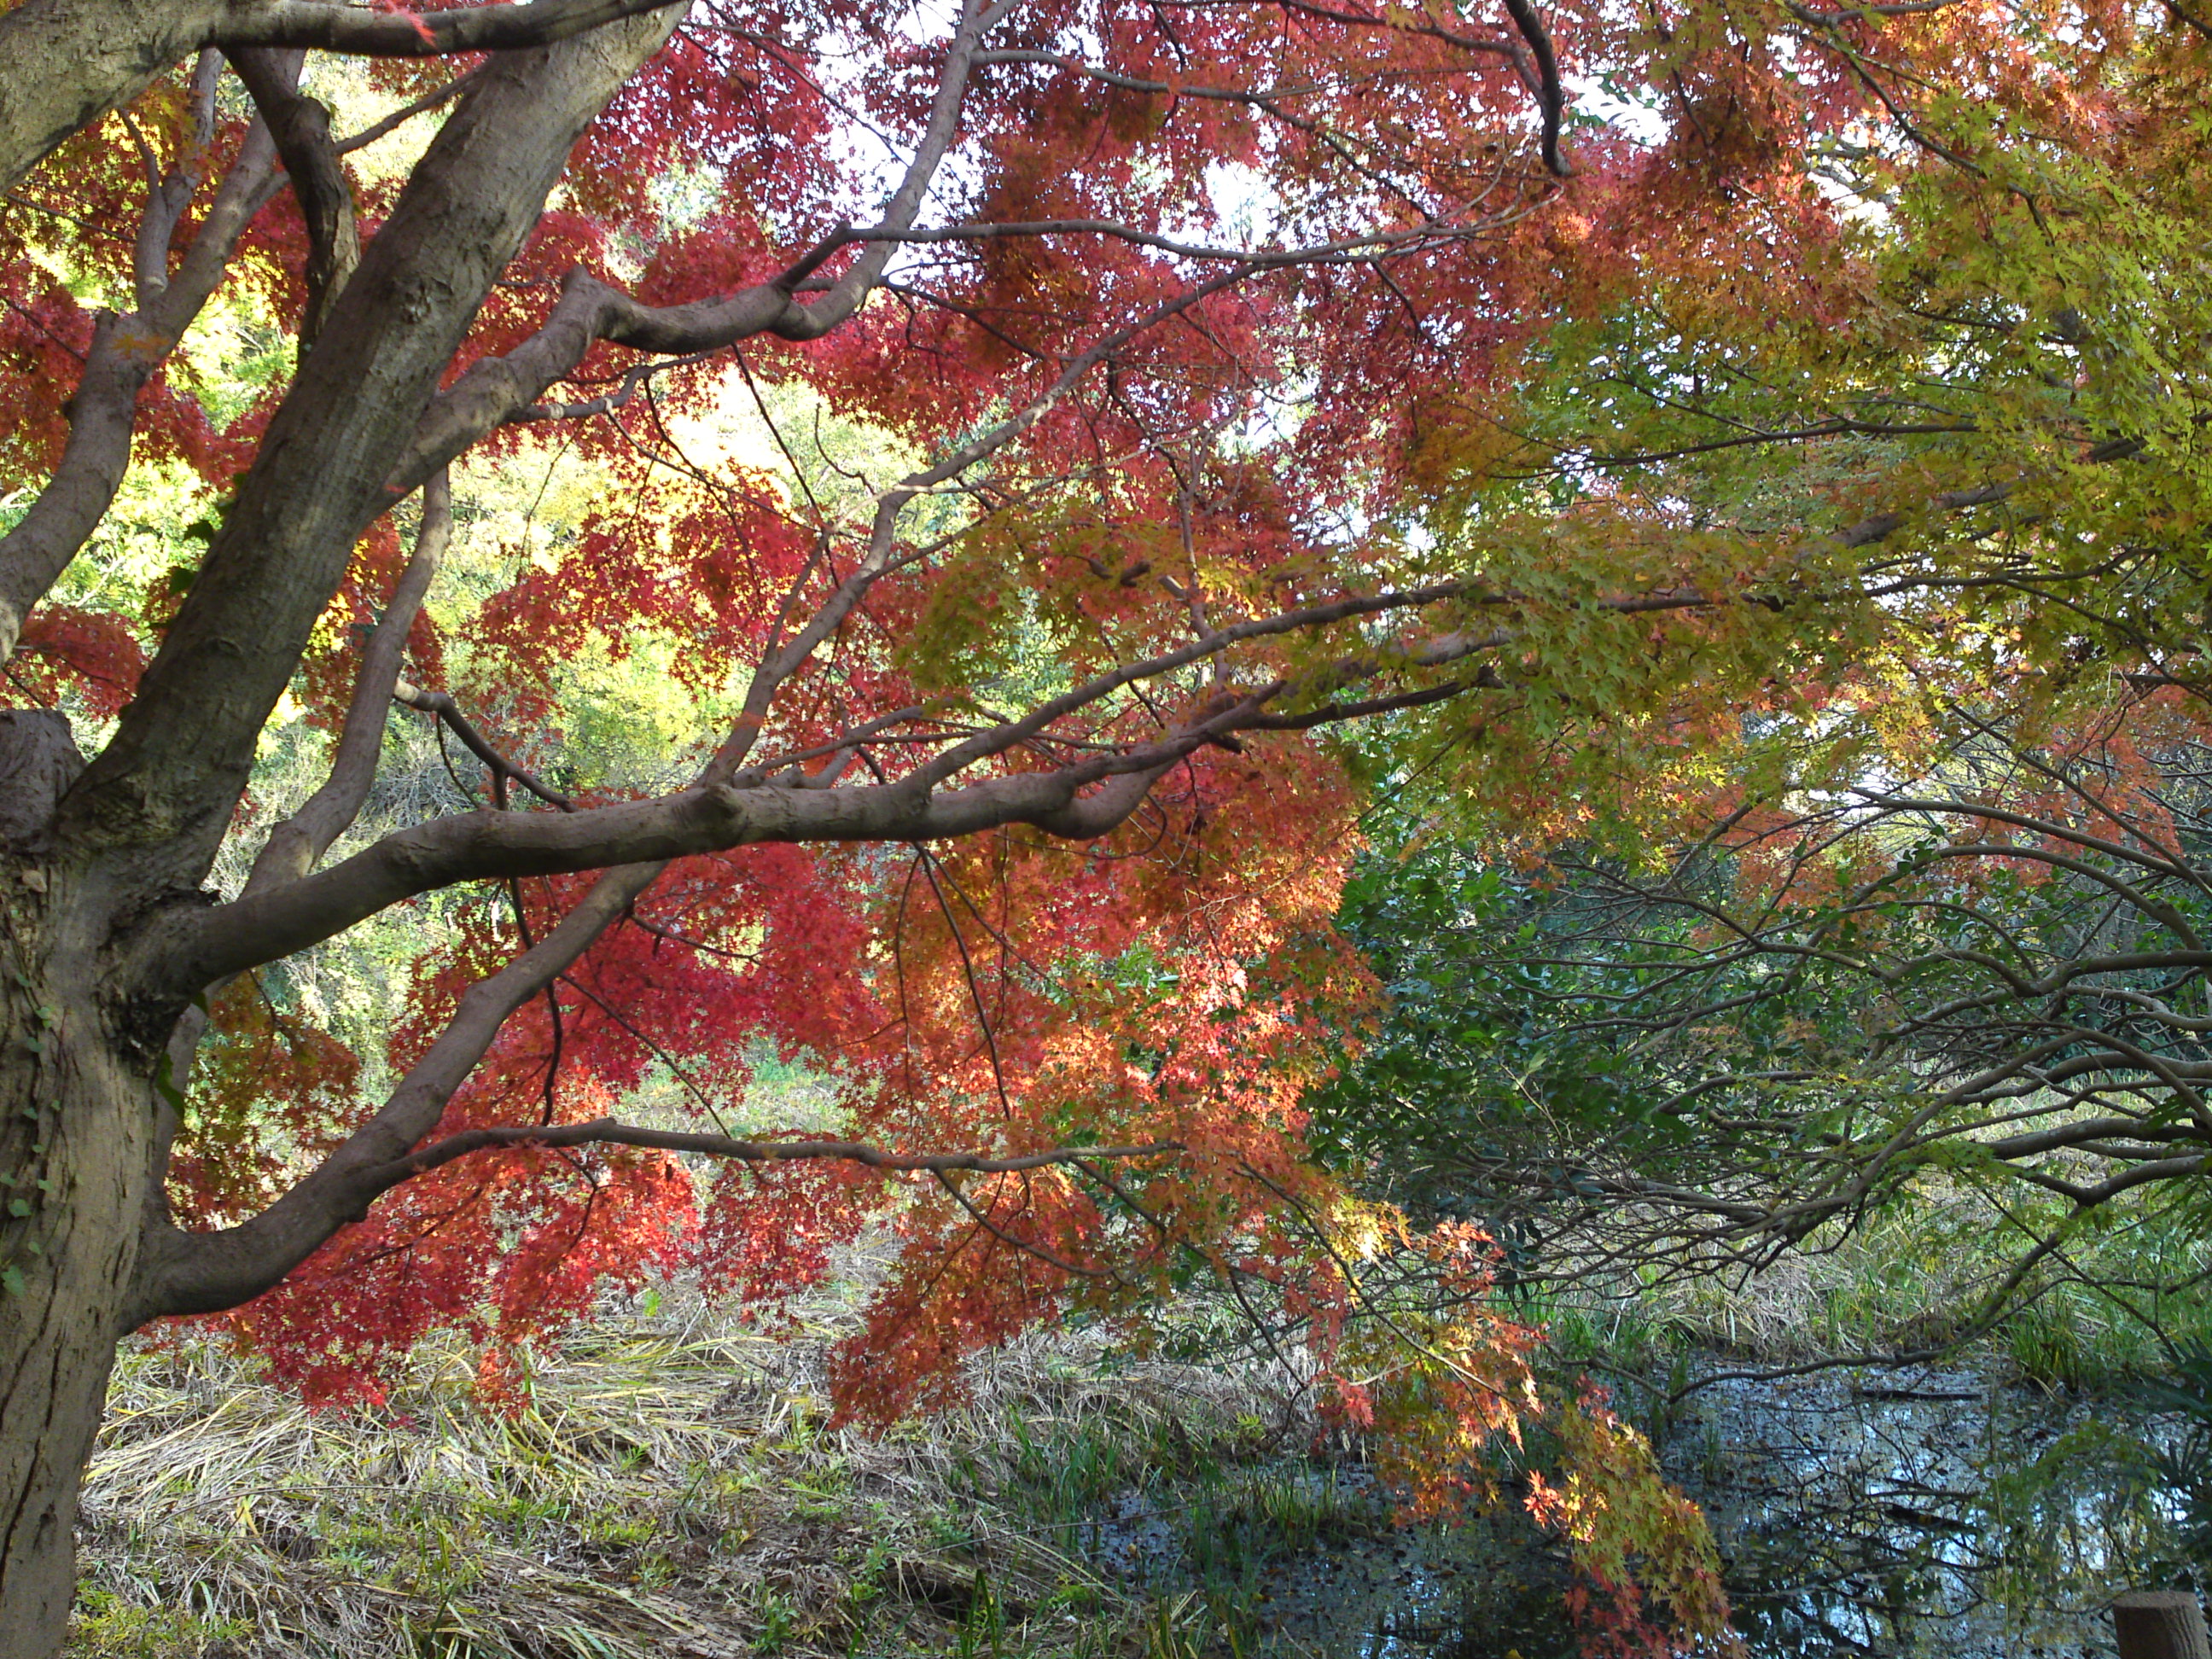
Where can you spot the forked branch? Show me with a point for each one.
(302, 127)
(202, 1273)
(497, 389)
(441, 707)
(295, 845)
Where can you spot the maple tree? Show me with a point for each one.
(1917, 923)
(995, 791)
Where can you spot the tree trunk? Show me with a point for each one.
(2159, 1625)
(82, 1128)
(69, 1244)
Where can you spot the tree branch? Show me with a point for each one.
(168, 193)
(406, 112)
(1082, 800)
(67, 63)
(496, 390)
(1551, 97)
(162, 793)
(879, 559)
(605, 1131)
(360, 30)
(197, 950)
(441, 706)
(126, 351)
(202, 1273)
(294, 846)
(302, 128)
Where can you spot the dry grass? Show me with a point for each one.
(669, 1487)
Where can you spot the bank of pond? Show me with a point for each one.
(677, 1487)
(1938, 1512)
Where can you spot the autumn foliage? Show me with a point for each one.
(1222, 376)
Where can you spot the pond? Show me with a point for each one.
(1859, 1514)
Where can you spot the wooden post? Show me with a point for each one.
(2161, 1625)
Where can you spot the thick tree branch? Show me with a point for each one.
(496, 390)
(605, 1131)
(1550, 96)
(169, 193)
(207, 945)
(1880, 526)
(731, 807)
(160, 795)
(716, 814)
(2088, 1132)
(202, 1272)
(362, 32)
(302, 128)
(66, 63)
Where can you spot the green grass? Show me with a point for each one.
(1908, 1279)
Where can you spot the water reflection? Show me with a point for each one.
(1854, 1512)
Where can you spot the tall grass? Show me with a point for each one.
(669, 1485)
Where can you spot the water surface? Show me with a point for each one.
(1854, 1510)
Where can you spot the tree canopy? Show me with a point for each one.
(1918, 915)
(878, 522)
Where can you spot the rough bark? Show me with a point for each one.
(57, 1332)
(80, 1141)
(39, 761)
(2159, 1625)
(66, 63)
(88, 1065)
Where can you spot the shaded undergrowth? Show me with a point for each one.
(1907, 1281)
